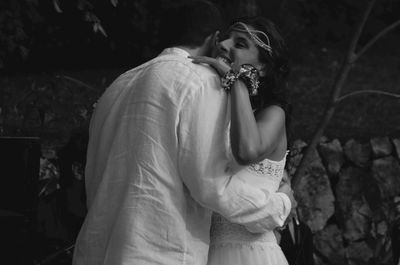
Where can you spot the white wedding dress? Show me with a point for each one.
(233, 244)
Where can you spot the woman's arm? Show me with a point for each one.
(254, 138)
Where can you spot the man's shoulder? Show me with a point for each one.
(172, 70)
(165, 65)
(180, 63)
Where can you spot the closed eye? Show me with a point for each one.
(241, 43)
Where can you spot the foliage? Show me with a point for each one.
(63, 34)
(30, 106)
(17, 20)
(67, 33)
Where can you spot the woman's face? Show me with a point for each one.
(239, 48)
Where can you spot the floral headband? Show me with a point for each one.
(242, 27)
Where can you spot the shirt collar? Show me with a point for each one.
(175, 51)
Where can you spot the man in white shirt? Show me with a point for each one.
(156, 161)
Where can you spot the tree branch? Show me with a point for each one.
(335, 94)
(376, 38)
(358, 31)
(368, 91)
(79, 82)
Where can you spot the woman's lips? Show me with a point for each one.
(225, 60)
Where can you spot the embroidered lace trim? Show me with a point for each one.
(224, 232)
(252, 246)
(269, 167)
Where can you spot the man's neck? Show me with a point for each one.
(202, 50)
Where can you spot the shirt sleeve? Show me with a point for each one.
(203, 162)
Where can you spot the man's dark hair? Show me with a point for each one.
(189, 23)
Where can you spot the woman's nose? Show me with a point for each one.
(224, 45)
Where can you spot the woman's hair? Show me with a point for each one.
(273, 86)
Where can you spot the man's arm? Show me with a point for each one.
(203, 162)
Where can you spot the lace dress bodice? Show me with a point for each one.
(267, 175)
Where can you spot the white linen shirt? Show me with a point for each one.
(156, 168)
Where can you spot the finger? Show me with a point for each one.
(198, 60)
(202, 59)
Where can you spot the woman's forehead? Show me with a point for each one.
(238, 33)
(242, 30)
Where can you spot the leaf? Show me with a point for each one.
(23, 51)
(97, 27)
(56, 4)
(114, 3)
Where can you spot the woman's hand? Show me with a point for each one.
(217, 63)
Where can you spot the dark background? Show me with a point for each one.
(58, 56)
(56, 34)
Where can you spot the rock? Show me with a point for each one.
(386, 172)
(323, 139)
(357, 153)
(332, 156)
(359, 253)
(382, 228)
(382, 252)
(315, 161)
(329, 243)
(352, 209)
(318, 261)
(396, 143)
(348, 189)
(295, 156)
(314, 195)
(357, 226)
(297, 146)
(353, 212)
(380, 208)
(381, 146)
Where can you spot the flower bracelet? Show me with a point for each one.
(247, 73)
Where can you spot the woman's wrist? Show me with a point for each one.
(247, 73)
(240, 88)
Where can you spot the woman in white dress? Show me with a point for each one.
(254, 71)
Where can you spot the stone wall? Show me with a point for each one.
(346, 198)
(345, 195)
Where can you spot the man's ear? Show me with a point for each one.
(263, 70)
(216, 38)
(212, 44)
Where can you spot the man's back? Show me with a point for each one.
(140, 211)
